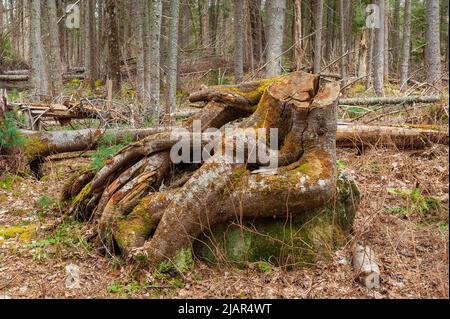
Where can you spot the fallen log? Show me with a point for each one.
(16, 72)
(390, 100)
(13, 77)
(38, 145)
(401, 137)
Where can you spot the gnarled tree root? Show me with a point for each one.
(152, 224)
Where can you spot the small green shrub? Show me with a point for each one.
(416, 202)
(9, 133)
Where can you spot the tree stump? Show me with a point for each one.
(148, 208)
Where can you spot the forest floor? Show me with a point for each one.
(403, 216)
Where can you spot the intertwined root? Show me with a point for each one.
(133, 210)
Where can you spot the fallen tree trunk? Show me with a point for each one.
(41, 144)
(401, 137)
(13, 77)
(16, 72)
(390, 100)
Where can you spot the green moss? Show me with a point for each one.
(23, 233)
(181, 263)
(296, 242)
(34, 147)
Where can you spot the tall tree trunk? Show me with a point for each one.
(55, 51)
(378, 66)
(369, 62)
(139, 35)
(275, 30)
(318, 21)
(406, 46)
(1, 19)
(343, 40)
(185, 27)
(172, 65)
(433, 44)
(238, 40)
(89, 44)
(386, 42)
(396, 37)
(113, 64)
(256, 25)
(155, 60)
(298, 51)
(204, 21)
(330, 35)
(38, 74)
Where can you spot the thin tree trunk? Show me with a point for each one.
(433, 44)
(298, 51)
(155, 72)
(172, 65)
(378, 74)
(140, 63)
(238, 40)
(342, 40)
(55, 52)
(113, 64)
(386, 42)
(275, 30)
(396, 37)
(318, 21)
(204, 20)
(256, 25)
(1, 19)
(406, 46)
(38, 73)
(369, 62)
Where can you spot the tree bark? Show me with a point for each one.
(155, 57)
(256, 26)
(343, 41)
(378, 74)
(298, 51)
(172, 65)
(113, 61)
(275, 29)
(406, 46)
(318, 21)
(238, 41)
(433, 44)
(396, 31)
(55, 52)
(39, 83)
(140, 53)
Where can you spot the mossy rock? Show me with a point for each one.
(295, 242)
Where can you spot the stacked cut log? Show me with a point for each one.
(18, 79)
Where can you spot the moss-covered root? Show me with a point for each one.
(297, 241)
(75, 184)
(124, 200)
(133, 230)
(245, 96)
